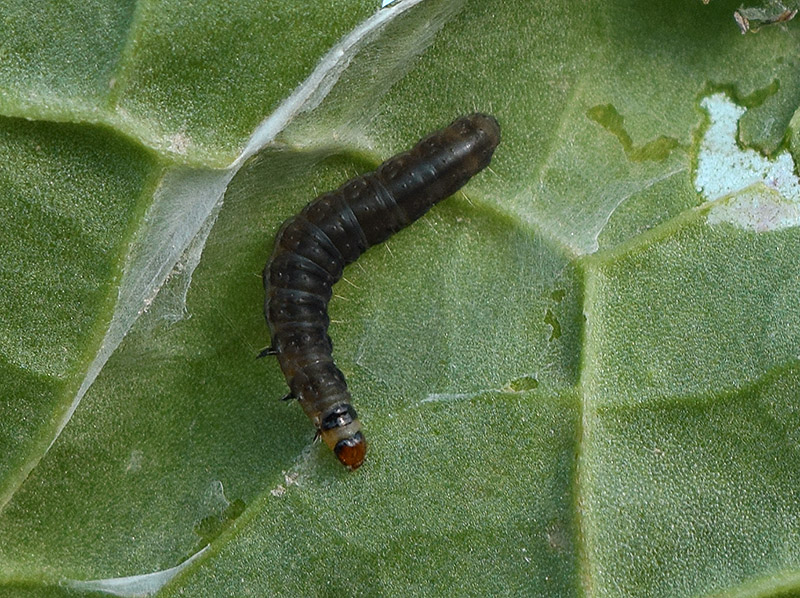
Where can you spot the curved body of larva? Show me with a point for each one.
(313, 247)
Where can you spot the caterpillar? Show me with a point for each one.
(312, 248)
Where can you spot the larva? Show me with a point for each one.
(313, 247)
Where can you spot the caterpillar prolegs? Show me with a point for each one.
(313, 247)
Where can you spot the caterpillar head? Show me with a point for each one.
(350, 451)
(341, 431)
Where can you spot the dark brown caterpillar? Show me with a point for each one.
(312, 248)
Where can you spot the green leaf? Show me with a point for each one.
(577, 378)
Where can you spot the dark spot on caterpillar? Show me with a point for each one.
(313, 247)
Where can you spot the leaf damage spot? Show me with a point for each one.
(135, 461)
(523, 383)
(551, 320)
(748, 189)
(223, 513)
(758, 208)
(557, 536)
(289, 479)
(612, 121)
(210, 528)
(753, 18)
(180, 143)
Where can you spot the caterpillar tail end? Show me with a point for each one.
(351, 451)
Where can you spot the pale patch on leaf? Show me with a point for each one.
(765, 194)
(757, 208)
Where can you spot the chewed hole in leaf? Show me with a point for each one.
(751, 191)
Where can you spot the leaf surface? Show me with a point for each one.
(577, 378)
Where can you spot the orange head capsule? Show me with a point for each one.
(351, 451)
